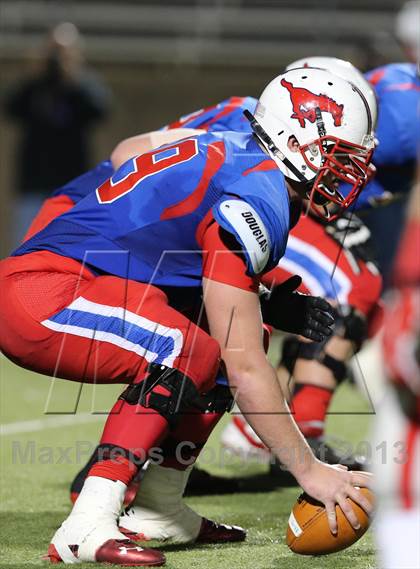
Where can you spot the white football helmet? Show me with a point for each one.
(331, 122)
(347, 71)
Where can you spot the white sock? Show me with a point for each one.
(93, 519)
(158, 510)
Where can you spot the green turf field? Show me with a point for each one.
(39, 459)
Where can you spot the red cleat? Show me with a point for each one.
(212, 532)
(127, 553)
(118, 552)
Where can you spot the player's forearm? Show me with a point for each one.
(260, 399)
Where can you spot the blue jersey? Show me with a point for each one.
(78, 188)
(143, 222)
(227, 115)
(397, 87)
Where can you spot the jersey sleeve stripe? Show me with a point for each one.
(264, 166)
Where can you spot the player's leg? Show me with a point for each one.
(158, 511)
(396, 460)
(396, 433)
(199, 480)
(36, 290)
(154, 505)
(106, 329)
(163, 496)
(313, 372)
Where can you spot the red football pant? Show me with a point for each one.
(57, 318)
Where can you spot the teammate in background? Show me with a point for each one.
(398, 90)
(92, 282)
(397, 87)
(397, 424)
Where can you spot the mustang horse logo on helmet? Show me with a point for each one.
(305, 102)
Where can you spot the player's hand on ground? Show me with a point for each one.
(290, 311)
(332, 485)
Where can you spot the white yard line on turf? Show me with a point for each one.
(52, 422)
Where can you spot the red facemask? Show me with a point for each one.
(341, 161)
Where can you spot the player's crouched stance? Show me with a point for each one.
(78, 302)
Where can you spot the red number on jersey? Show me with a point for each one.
(146, 165)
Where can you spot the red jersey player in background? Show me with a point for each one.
(397, 426)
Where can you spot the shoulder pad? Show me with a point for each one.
(242, 220)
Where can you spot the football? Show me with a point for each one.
(308, 532)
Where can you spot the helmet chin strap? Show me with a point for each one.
(268, 142)
(327, 213)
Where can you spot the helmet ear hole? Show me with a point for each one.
(293, 144)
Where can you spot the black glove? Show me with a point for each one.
(290, 311)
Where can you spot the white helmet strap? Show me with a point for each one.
(320, 123)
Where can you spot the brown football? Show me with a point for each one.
(308, 532)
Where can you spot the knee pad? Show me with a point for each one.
(170, 392)
(166, 390)
(217, 400)
(294, 348)
(350, 326)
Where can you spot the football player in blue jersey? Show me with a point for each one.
(314, 251)
(318, 370)
(397, 88)
(89, 298)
